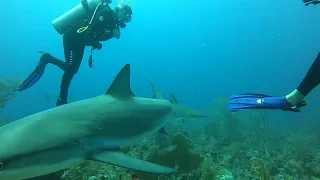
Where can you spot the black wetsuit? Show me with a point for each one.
(311, 79)
(74, 44)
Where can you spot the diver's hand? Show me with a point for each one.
(97, 45)
(116, 33)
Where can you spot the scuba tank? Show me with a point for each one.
(62, 23)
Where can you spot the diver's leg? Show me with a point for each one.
(64, 88)
(37, 73)
(74, 65)
(73, 54)
(67, 78)
(47, 58)
(310, 81)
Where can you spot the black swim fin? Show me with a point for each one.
(37, 73)
(32, 78)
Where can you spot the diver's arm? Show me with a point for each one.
(92, 40)
(96, 45)
(116, 32)
(101, 16)
(98, 28)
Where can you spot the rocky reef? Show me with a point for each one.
(222, 150)
(8, 89)
(229, 147)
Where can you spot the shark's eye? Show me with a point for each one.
(1, 165)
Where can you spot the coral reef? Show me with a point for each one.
(287, 159)
(178, 155)
(8, 89)
(258, 168)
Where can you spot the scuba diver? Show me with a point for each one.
(291, 102)
(308, 2)
(97, 22)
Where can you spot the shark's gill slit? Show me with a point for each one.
(1, 165)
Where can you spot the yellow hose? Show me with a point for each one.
(83, 29)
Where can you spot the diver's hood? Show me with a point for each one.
(116, 18)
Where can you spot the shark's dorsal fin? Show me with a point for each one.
(173, 99)
(120, 86)
(156, 93)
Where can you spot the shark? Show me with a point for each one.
(89, 129)
(185, 111)
(179, 111)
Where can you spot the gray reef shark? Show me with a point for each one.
(178, 110)
(90, 129)
(184, 111)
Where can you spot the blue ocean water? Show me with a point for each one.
(199, 50)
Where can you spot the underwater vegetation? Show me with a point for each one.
(8, 89)
(231, 146)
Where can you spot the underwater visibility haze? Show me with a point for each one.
(160, 90)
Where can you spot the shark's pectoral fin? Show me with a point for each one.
(120, 86)
(173, 99)
(163, 131)
(122, 160)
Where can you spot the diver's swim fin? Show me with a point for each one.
(240, 102)
(37, 73)
(32, 78)
(307, 2)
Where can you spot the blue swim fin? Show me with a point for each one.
(240, 102)
(308, 2)
(32, 78)
(37, 73)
